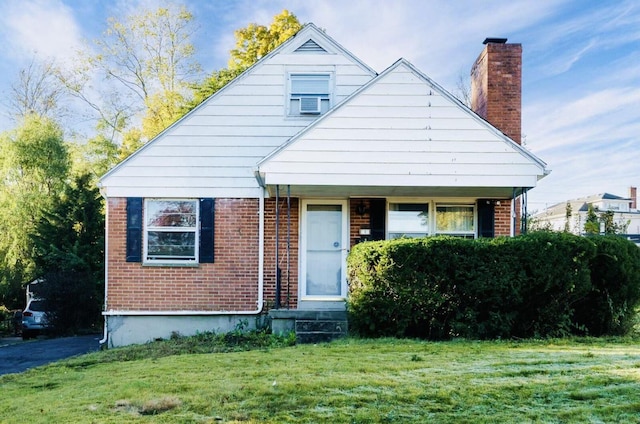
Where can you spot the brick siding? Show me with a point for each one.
(289, 274)
(229, 284)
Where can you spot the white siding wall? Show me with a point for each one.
(213, 151)
(401, 132)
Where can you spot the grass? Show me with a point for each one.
(348, 381)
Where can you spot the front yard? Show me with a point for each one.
(348, 381)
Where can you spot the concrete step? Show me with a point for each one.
(310, 326)
(320, 330)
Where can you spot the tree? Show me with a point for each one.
(610, 226)
(592, 224)
(463, 89)
(211, 84)
(33, 172)
(567, 218)
(37, 91)
(148, 58)
(255, 41)
(68, 250)
(150, 54)
(252, 43)
(95, 157)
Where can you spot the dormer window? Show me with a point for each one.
(309, 94)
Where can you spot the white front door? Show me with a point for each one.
(324, 250)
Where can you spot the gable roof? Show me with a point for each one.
(403, 130)
(125, 179)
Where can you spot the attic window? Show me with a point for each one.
(310, 46)
(309, 94)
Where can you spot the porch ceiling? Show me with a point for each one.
(390, 191)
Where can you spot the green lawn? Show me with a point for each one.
(349, 381)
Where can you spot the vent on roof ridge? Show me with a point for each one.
(310, 46)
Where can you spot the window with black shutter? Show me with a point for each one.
(170, 230)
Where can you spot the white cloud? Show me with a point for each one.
(598, 115)
(45, 28)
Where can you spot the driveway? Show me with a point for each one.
(17, 356)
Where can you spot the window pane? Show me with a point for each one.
(408, 219)
(174, 245)
(309, 84)
(171, 213)
(454, 219)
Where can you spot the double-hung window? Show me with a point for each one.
(309, 94)
(455, 220)
(171, 230)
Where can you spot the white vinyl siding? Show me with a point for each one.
(213, 151)
(402, 131)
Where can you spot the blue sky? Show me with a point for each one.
(581, 71)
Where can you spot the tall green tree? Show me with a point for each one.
(34, 167)
(568, 212)
(145, 62)
(151, 56)
(68, 250)
(592, 224)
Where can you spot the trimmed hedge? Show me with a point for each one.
(541, 284)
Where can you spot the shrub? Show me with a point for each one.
(610, 306)
(542, 284)
(553, 274)
(402, 288)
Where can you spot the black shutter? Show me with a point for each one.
(207, 211)
(486, 217)
(134, 229)
(377, 211)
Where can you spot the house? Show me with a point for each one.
(250, 203)
(572, 214)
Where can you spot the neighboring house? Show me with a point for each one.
(572, 214)
(250, 203)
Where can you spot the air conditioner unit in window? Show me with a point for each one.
(310, 105)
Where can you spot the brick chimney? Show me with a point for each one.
(633, 194)
(496, 86)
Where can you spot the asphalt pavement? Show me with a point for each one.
(17, 355)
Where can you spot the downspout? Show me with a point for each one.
(105, 335)
(260, 301)
(278, 272)
(288, 245)
(512, 230)
(525, 218)
(260, 254)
